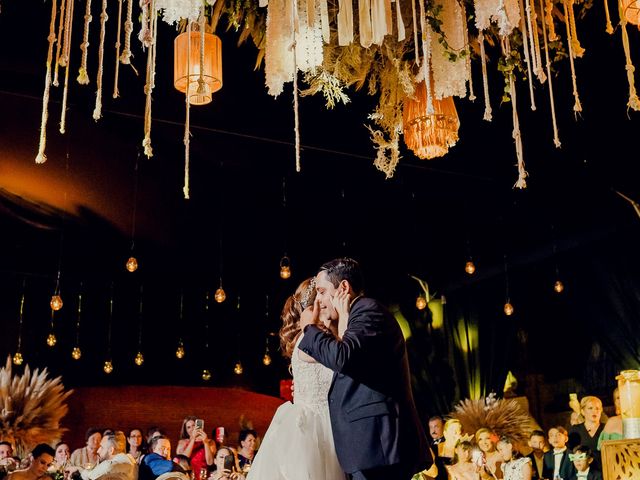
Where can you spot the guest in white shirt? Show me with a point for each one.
(582, 458)
(557, 465)
(114, 464)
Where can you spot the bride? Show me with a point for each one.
(299, 443)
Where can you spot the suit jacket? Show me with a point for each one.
(373, 415)
(592, 475)
(567, 470)
(537, 475)
(154, 465)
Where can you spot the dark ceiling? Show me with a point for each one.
(248, 206)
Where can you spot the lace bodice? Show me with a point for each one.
(311, 381)
(513, 470)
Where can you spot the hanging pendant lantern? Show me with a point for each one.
(508, 308)
(132, 264)
(558, 287)
(139, 359)
(108, 367)
(421, 302)
(56, 302)
(429, 135)
(52, 340)
(285, 268)
(206, 375)
(631, 11)
(238, 369)
(17, 359)
(186, 69)
(220, 296)
(76, 353)
(470, 268)
(266, 359)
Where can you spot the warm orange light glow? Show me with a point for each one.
(631, 11)
(185, 66)
(558, 287)
(421, 302)
(56, 302)
(470, 268)
(508, 309)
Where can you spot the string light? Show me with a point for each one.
(76, 353)
(56, 299)
(139, 359)
(508, 308)
(558, 286)
(421, 302)
(206, 375)
(17, 358)
(470, 268)
(180, 351)
(285, 268)
(107, 367)
(237, 369)
(56, 302)
(220, 296)
(266, 359)
(51, 338)
(132, 264)
(108, 364)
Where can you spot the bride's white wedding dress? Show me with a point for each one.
(299, 444)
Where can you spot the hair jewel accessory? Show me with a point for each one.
(305, 296)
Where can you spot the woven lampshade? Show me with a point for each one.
(631, 11)
(429, 136)
(212, 74)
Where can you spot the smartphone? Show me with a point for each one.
(199, 424)
(477, 457)
(230, 462)
(573, 396)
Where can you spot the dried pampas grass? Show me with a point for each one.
(32, 407)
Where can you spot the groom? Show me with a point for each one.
(376, 429)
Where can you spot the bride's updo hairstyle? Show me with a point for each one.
(303, 297)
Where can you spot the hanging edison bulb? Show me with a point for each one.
(51, 339)
(266, 360)
(470, 268)
(237, 369)
(421, 302)
(285, 268)
(76, 353)
(56, 302)
(108, 367)
(558, 287)
(139, 360)
(132, 264)
(180, 351)
(206, 375)
(220, 296)
(17, 358)
(508, 309)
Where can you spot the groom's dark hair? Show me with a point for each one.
(344, 269)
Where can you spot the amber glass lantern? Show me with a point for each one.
(429, 135)
(186, 68)
(629, 388)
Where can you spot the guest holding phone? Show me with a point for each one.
(195, 445)
(226, 464)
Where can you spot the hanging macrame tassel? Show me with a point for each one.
(83, 76)
(577, 106)
(187, 126)
(578, 51)
(116, 94)
(66, 40)
(145, 35)
(634, 102)
(296, 113)
(402, 34)
(467, 46)
(415, 32)
(41, 157)
(426, 56)
(534, 41)
(548, 17)
(517, 136)
(151, 71)
(485, 80)
(59, 45)
(202, 86)
(609, 28)
(556, 137)
(97, 111)
(345, 22)
(527, 56)
(125, 58)
(67, 57)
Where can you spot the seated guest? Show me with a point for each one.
(556, 461)
(135, 443)
(463, 468)
(588, 432)
(185, 464)
(41, 459)
(436, 429)
(484, 440)
(538, 446)
(114, 464)
(514, 466)
(613, 428)
(582, 457)
(247, 451)
(227, 467)
(7, 462)
(87, 456)
(157, 461)
(58, 467)
(195, 444)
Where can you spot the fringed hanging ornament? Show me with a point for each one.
(83, 75)
(402, 34)
(556, 137)
(150, 83)
(380, 20)
(429, 135)
(97, 111)
(577, 49)
(450, 75)
(144, 35)
(609, 27)
(125, 58)
(577, 106)
(59, 44)
(634, 102)
(504, 13)
(66, 57)
(414, 15)
(485, 80)
(116, 93)
(345, 22)
(516, 134)
(527, 55)
(365, 24)
(534, 41)
(425, 70)
(41, 157)
(548, 18)
(467, 46)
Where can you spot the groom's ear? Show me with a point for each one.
(344, 285)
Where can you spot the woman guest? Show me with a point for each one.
(587, 433)
(87, 457)
(613, 428)
(452, 434)
(486, 444)
(247, 449)
(463, 468)
(514, 466)
(135, 444)
(224, 468)
(195, 444)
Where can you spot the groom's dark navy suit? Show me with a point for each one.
(373, 416)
